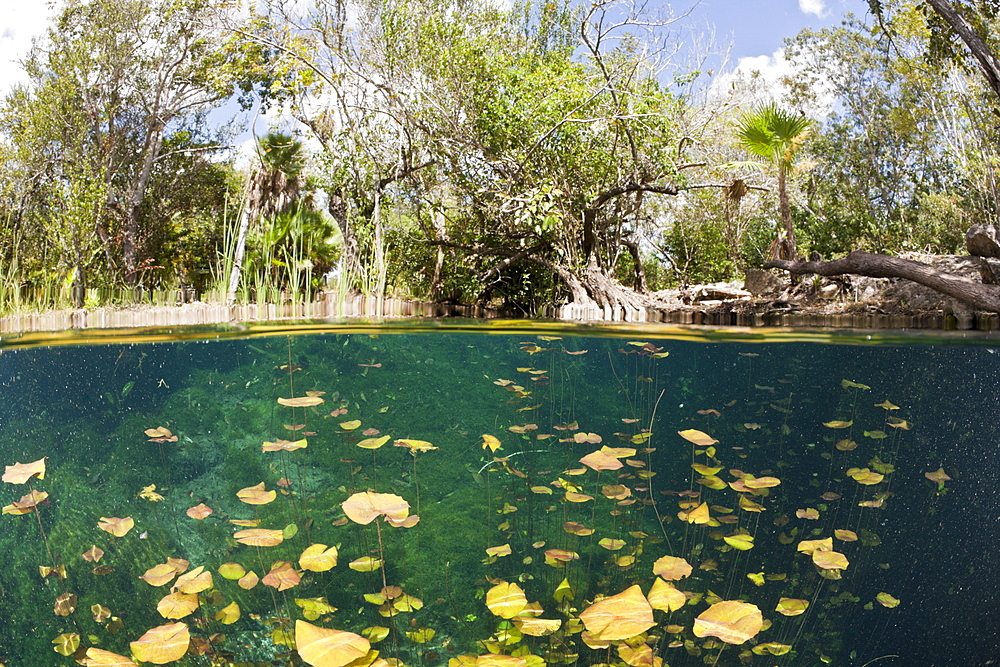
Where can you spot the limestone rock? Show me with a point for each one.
(716, 292)
(760, 282)
(983, 240)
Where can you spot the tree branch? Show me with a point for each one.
(401, 172)
(977, 295)
(190, 150)
(981, 51)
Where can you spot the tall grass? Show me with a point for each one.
(277, 270)
(19, 295)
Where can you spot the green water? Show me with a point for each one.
(765, 398)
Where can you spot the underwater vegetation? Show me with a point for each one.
(549, 504)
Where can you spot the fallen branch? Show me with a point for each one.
(977, 295)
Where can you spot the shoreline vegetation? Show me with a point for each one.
(551, 160)
(871, 304)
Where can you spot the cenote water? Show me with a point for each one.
(500, 496)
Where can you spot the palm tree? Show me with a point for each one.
(775, 133)
(271, 188)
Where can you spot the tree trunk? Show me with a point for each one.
(349, 261)
(439, 235)
(595, 289)
(379, 250)
(240, 249)
(977, 295)
(989, 65)
(785, 208)
(640, 273)
(130, 233)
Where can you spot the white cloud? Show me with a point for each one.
(17, 28)
(756, 77)
(815, 7)
(761, 79)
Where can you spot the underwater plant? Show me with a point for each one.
(617, 532)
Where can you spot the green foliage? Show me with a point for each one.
(773, 133)
(111, 135)
(465, 151)
(882, 171)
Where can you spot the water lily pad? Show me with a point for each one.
(66, 643)
(499, 551)
(256, 495)
(65, 604)
(259, 537)
(373, 443)
(365, 564)
(771, 648)
(887, 600)
(538, 627)
(620, 616)
(318, 558)
(116, 526)
(847, 384)
(672, 568)
(414, 446)
(939, 476)
(491, 442)
(228, 614)
(506, 600)
(160, 574)
(199, 511)
(195, 581)
(248, 580)
(19, 473)
(232, 571)
(740, 540)
(791, 606)
(830, 560)
(284, 445)
(366, 506)
(176, 605)
(732, 621)
(697, 438)
(865, 476)
(281, 576)
(300, 401)
(598, 460)
(324, 647)
(665, 597)
(97, 657)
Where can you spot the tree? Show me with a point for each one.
(968, 23)
(110, 83)
(272, 187)
(522, 143)
(776, 134)
(885, 158)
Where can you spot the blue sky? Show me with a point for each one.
(757, 27)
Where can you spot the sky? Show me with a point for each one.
(753, 30)
(756, 29)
